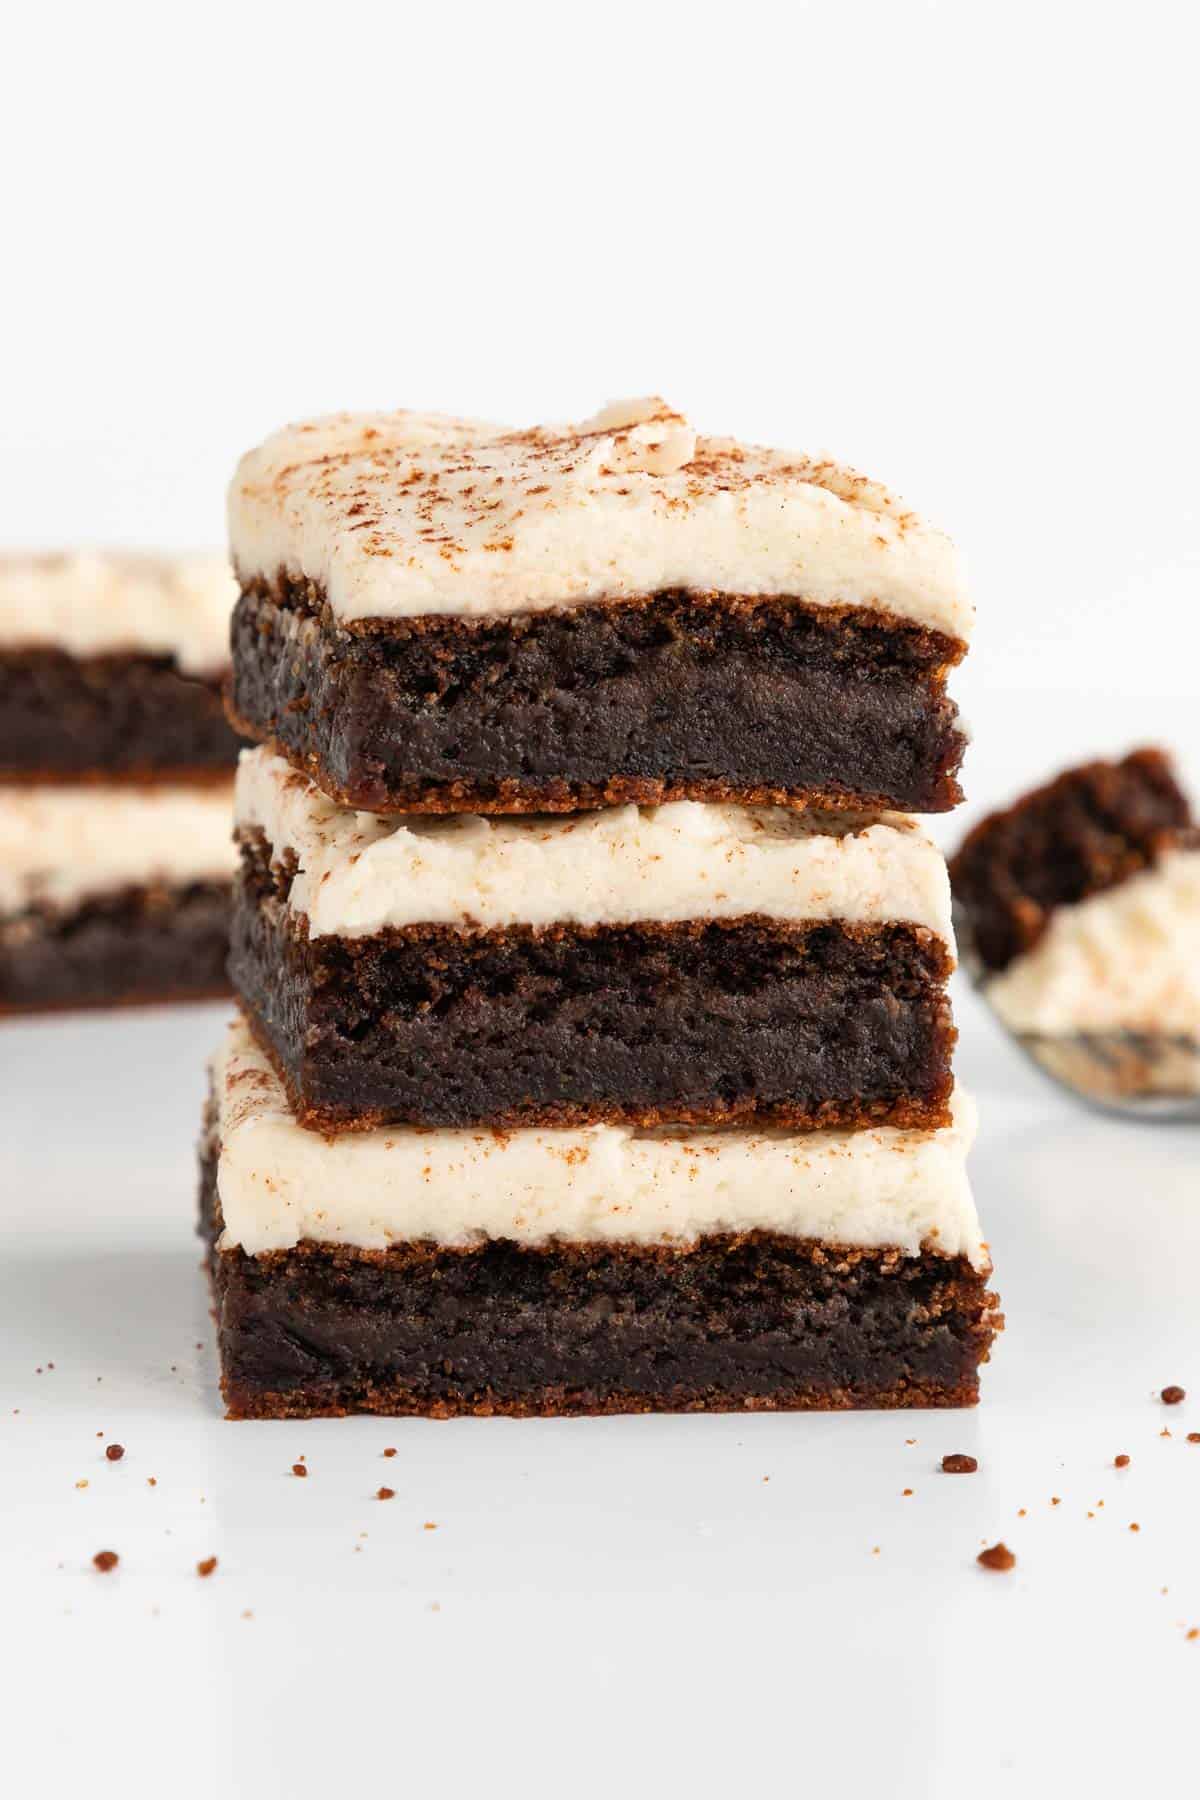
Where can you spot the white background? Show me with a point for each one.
(954, 244)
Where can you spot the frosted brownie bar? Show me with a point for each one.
(111, 666)
(1082, 904)
(441, 616)
(588, 1271)
(113, 894)
(687, 962)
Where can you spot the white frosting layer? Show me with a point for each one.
(1124, 960)
(89, 603)
(398, 514)
(359, 873)
(280, 1183)
(58, 845)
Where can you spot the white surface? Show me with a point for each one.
(59, 844)
(627, 1599)
(359, 872)
(393, 515)
(279, 1183)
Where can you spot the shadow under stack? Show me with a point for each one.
(594, 1051)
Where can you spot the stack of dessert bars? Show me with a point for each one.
(116, 779)
(594, 1052)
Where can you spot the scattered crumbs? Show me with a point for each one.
(957, 1463)
(999, 1557)
(910, 1440)
(99, 1434)
(49, 1365)
(905, 1493)
(207, 1566)
(1099, 1503)
(1121, 1462)
(106, 1560)
(83, 1483)
(1055, 1500)
(299, 1469)
(1091, 1515)
(1171, 1396)
(429, 1525)
(1135, 1526)
(1193, 1437)
(389, 1453)
(1020, 1512)
(152, 1481)
(766, 1478)
(1193, 1633)
(384, 1493)
(1164, 1432)
(114, 1452)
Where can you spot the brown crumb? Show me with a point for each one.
(152, 1481)
(1193, 1633)
(385, 1493)
(430, 1525)
(1121, 1462)
(247, 1615)
(998, 1557)
(1171, 1396)
(1164, 1432)
(299, 1469)
(1055, 1500)
(207, 1566)
(114, 1452)
(1135, 1526)
(1193, 1437)
(905, 1493)
(82, 1484)
(105, 1560)
(875, 1550)
(959, 1464)
(1020, 1512)
(389, 1453)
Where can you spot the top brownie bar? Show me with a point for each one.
(442, 616)
(111, 665)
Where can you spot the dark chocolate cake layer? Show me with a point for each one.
(747, 1020)
(120, 715)
(1087, 831)
(676, 696)
(135, 947)
(756, 1322)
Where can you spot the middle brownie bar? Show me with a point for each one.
(683, 963)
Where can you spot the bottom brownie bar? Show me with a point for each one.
(346, 1278)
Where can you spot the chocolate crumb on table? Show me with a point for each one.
(106, 1560)
(1171, 1396)
(206, 1566)
(389, 1453)
(299, 1469)
(385, 1493)
(957, 1463)
(1121, 1462)
(115, 1452)
(998, 1557)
